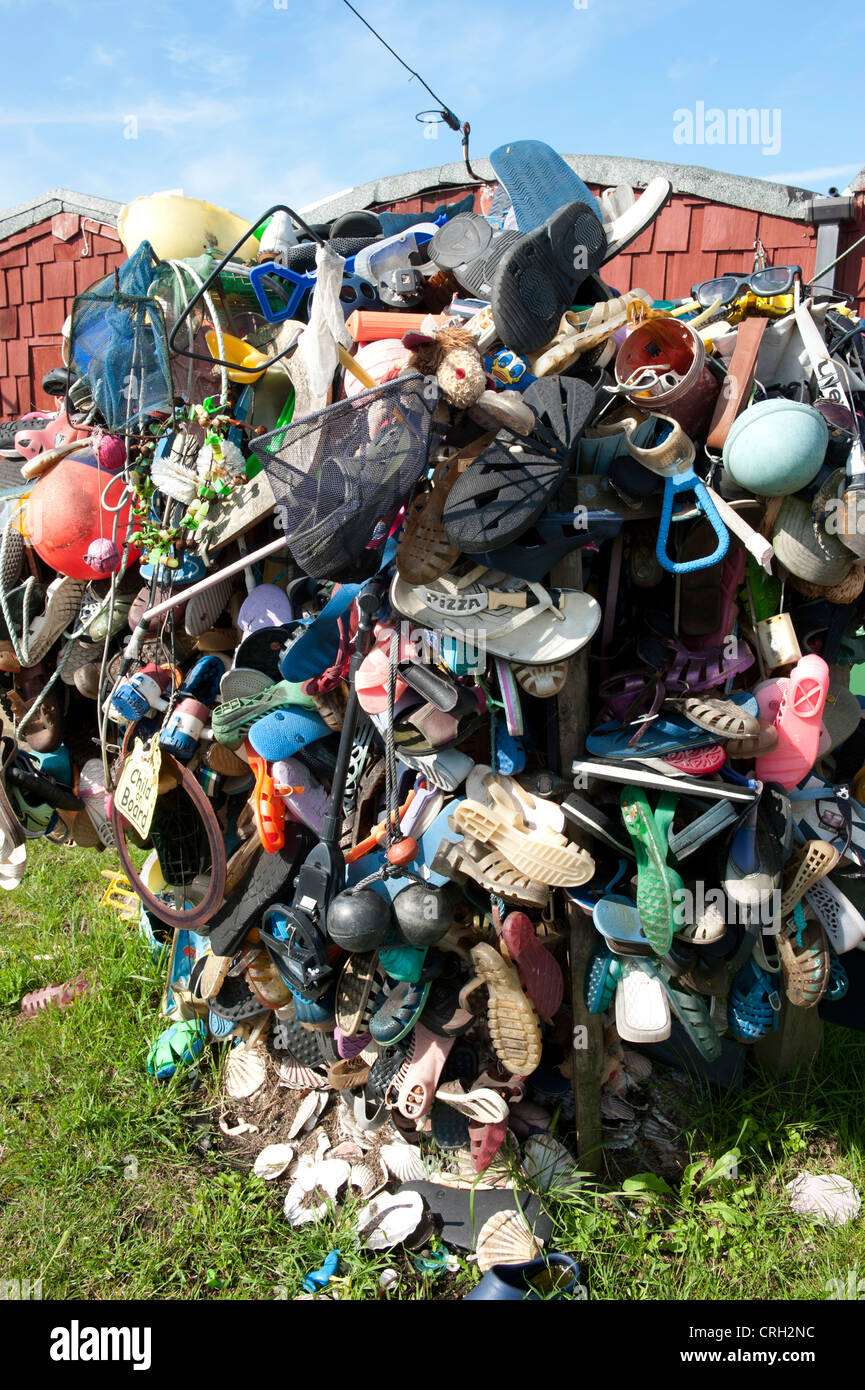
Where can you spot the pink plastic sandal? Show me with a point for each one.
(798, 721)
(418, 1086)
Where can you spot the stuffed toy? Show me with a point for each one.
(451, 355)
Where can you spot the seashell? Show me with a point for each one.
(246, 1070)
(828, 1198)
(351, 1131)
(232, 1131)
(308, 1112)
(615, 1108)
(331, 1174)
(403, 1161)
(548, 1165)
(388, 1220)
(298, 1078)
(348, 1150)
(506, 1239)
(296, 1212)
(637, 1066)
(365, 1177)
(388, 1279)
(272, 1162)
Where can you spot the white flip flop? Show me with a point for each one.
(642, 1007)
(624, 217)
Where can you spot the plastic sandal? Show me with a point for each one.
(804, 953)
(657, 885)
(511, 1019)
(232, 720)
(690, 1011)
(450, 1128)
(798, 722)
(618, 920)
(417, 1089)
(353, 991)
(397, 1010)
(268, 809)
(808, 866)
(753, 1004)
(543, 682)
(519, 620)
(839, 980)
(542, 855)
(603, 973)
(598, 824)
(469, 859)
(423, 553)
(723, 718)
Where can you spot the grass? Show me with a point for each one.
(113, 1186)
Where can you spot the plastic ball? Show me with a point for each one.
(358, 921)
(102, 556)
(423, 914)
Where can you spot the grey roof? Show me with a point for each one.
(25, 215)
(759, 195)
(857, 184)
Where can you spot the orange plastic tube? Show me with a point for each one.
(370, 325)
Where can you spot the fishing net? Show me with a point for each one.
(118, 342)
(341, 475)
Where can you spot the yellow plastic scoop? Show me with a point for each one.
(240, 352)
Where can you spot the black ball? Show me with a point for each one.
(359, 920)
(423, 914)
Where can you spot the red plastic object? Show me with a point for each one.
(61, 996)
(403, 851)
(370, 325)
(66, 513)
(539, 971)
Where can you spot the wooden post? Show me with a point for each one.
(588, 1052)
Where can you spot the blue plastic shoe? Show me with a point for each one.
(753, 1004)
(202, 681)
(602, 976)
(551, 1277)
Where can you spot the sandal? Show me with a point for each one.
(804, 953)
(353, 991)
(397, 1010)
(658, 887)
(753, 1004)
(601, 979)
(470, 860)
(423, 553)
(690, 1011)
(543, 682)
(723, 718)
(513, 1024)
(808, 866)
(450, 1128)
(798, 722)
(542, 855)
(642, 1006)
(417, 1089)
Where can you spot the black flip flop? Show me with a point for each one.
(270, 878)
(534, 279)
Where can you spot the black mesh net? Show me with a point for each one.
(179, 838)
(341, 475)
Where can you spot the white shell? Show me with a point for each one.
(830, 1199)
(351, 1131)
(388, 1279)
(548, 1165)
(298, 1078)
(348, 1150)
(388, 1219)
(312, 1171)
(308, 1112)
(240, 1128)
(272, 1162)
(368, 1178)
(403, 1161)
(615, 1108)
(245, 1071)
(505, 1239)
(294, 1210)
(636, 1065)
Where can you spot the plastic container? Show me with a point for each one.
(684, 388)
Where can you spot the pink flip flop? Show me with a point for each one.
(418, 1086)
(798, 721)
(697, 762)
(539, 971)
(485, 1142)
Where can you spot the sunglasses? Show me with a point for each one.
(775, 279)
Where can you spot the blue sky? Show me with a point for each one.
(250, 102)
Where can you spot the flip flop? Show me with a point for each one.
(663, 734)
(642, 1006)
(617, 919)
(601, 980)
(354, 988)
(539, 971)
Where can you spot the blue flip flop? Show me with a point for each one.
(667, 732)
(616, 918)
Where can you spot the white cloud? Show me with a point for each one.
(805, 178)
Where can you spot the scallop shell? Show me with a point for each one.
(615, 1108)
(348, 1150)
(505, 1239)
(403, 1161)
(311, 1171)
(548, 1165)
(297, 1078)
(296, 1212)
(388, 1220)
(246, 1070)
(637, 1066)
(273, 1160)
(308, 1112)
(828, 1198)
(351, 1131)
(370, 1179)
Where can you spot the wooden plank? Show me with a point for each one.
(794, 1045)
(588, 1031)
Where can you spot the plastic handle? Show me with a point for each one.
(689, 482)
(271, 270)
